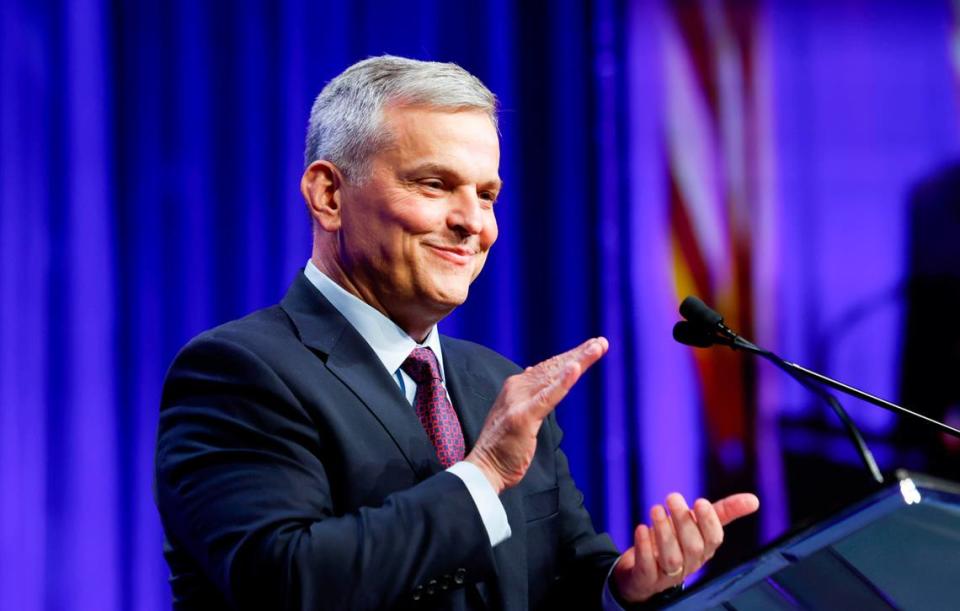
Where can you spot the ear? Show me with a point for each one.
(321, 188)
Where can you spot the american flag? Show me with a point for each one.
(710, 131)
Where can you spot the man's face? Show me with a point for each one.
(416, 232)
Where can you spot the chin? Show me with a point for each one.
(449, 297)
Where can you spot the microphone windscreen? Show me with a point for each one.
(690, 334)
(700, 313)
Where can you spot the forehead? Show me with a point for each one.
(464, 138)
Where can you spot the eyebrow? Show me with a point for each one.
(443, 170)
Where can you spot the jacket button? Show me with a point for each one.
(431, 587)
(418, 593)
(460, 576)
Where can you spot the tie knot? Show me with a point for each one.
(421, 365)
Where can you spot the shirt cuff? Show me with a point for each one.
(608, 602)
(491, 510)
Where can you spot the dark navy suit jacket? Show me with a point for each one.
(291, 473)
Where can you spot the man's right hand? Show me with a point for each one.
(508, 440)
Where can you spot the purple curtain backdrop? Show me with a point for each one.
(149, 160)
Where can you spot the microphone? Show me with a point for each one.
(697, 336)
(697, 312)
(704, 328)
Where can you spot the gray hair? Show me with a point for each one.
(346, 121)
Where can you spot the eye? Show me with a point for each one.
(488, 196)
(432, 183)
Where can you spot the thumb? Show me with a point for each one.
(736, 506)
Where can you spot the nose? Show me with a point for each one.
(466, 214)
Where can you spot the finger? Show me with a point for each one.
(586, 354)
(736, 506)
(555, 387)
(558, 361)
(710, 528)
(645, 563)
(688, 534)
(548, 396)
(591, 353)
(670, 556)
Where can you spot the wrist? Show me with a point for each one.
(619, 583)
(489, 472)
(627, 597)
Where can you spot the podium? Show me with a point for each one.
(899, 548)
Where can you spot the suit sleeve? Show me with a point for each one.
(585, 556)
(242, 487)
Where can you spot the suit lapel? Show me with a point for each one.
(467, 393)
(353, 362)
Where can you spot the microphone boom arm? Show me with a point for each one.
(865, 396)
(801, 376)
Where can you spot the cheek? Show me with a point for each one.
(417, 216)
(489, 233)
(479, 262)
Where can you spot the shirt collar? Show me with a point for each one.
(391, 344)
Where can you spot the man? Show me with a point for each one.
(335, 452)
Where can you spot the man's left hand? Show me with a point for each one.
(676, 545)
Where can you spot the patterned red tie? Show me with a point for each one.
(433, 408)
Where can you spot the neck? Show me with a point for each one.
(416, 327)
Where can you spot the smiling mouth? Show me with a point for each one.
(454, 254)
